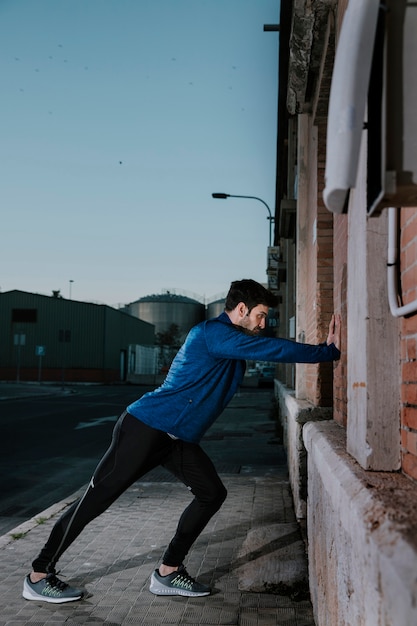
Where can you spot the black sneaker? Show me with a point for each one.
(178, 583)
(50, 589)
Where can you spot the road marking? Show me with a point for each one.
(98, 421)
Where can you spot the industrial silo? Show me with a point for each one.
(165, 309)
(215, 308)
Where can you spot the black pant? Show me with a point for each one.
(135, 449)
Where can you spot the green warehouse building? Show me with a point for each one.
(49, 338)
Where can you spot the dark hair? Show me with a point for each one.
(251, 293)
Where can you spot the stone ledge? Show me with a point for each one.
(370, 520)
(294, 414)
(301, 411)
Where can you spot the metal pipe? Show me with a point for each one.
(394, 298)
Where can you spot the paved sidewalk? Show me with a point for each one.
(251, 553)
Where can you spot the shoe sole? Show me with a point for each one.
(28, 594)
(161, 590)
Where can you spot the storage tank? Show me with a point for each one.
(215, 308)
(166, 309)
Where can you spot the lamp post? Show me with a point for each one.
(70, 286)
(224, 196)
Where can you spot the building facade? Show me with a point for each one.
(347, 177)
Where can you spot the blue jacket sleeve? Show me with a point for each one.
(228, 342)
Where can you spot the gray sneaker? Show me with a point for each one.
(50, 589)
(178, 583)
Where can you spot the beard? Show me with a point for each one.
(252, 333)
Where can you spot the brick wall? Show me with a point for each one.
(320, 305)
(340, 237)
(408, 245)
(325, 262)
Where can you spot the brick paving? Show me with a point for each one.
(251, 553)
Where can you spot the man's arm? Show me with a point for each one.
(334, 331)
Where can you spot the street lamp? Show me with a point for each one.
(70, 285)
(224, 196)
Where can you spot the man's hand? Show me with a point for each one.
(334, 330)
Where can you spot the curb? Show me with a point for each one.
(33, 522)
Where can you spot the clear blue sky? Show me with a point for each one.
(119, 118)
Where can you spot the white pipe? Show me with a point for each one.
(394, 299)
(347, 102)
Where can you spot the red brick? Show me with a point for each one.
(410, 325)
(409, 279)
(409, 393)
(408, 231)
(409, 441)
(409, 465)
(409, 371)
(411, 348)
(410, 253)
(408, 214)
(409, 417)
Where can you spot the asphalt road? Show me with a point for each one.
(50, 445)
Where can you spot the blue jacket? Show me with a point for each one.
(207, 372)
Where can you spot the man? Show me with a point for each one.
(164, 427)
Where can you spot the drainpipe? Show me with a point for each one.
(394, 298)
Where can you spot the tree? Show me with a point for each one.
(170, 338)
(169, 342)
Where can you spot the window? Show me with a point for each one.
(24, 315)
(64, 336)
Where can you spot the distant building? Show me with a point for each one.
(55, 339)
(164, 310)
(215, 308)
